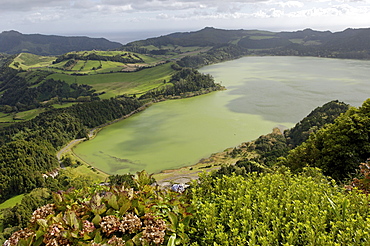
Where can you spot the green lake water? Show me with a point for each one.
(262, 93)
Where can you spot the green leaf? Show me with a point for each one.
(87, 237)
(98, 238)
(25, 242)
(43, 223)
(74, 234)
(71, 219)
(38, 241)
(129, 243)
(39, 234)
(112, 201)
(171, 240)
(174, 220)
(178, 241)
(136, 239)
(98, 209)
(125, 207)
(96, 219)
(57, 198)
(186, 221)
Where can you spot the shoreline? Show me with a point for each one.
(92, 133)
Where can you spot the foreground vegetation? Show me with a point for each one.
(276, 208)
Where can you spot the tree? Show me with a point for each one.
(337, 148)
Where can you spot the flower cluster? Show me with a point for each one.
(363, 182)
(154, 230)
(18, 235)
(116, 241)
(43, 212)
(55, 236)
(87, 227)
(130, 223)
(111, 215)
(110, 224)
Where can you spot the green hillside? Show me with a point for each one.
(13, 42)
(38, 81)
(119, 83)
(350, 43)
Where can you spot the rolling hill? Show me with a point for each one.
(13, 42)
(350, 43)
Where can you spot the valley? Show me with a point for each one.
(229, 117)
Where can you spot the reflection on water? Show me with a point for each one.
(287, 88)
(262, 93)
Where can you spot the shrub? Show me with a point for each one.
(278, 209)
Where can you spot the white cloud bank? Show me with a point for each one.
(88, 16)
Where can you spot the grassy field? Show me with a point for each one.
(28, 61)
(64, 105)
(5, 117)
(260, 37)
(11, 202)
(10, 118)
(88, 171)
(30, 114)
(114, 84)
(112, 78)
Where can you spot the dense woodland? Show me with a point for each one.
(286, 189)
(184, 83)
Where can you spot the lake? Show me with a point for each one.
(262, 93)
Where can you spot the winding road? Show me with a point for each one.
(68, 147)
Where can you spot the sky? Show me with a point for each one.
(129, 20)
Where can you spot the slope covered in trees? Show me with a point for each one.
(28, 148)
(315, 120)
(185, 82)
(337, 148)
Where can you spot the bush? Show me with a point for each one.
(112, 215)
(278, 209)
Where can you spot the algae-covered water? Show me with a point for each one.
(262, 93)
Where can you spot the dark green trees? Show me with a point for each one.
(338, 148)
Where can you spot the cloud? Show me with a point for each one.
(290, 4)
(336, 10)
(28, 5)
(102, 15)
(140, 5)
(270, 13)
(38, 17)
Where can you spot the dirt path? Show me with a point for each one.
(68, 147)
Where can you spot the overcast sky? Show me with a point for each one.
(121, 20)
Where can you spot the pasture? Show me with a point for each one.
(11, 202)
(114, 84)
